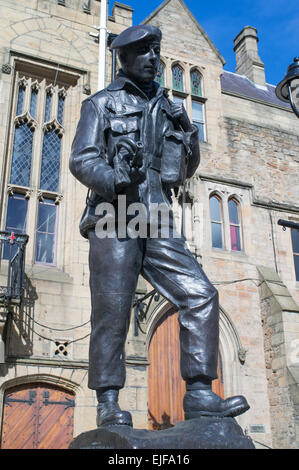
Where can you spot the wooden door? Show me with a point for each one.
(37, 416)
(166, 388)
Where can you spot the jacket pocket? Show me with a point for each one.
(124, 125)
(174, 159)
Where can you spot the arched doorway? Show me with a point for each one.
(37, 416)
(166, 388)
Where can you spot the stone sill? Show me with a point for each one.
(41, 362)
(41, 272)
(224, 254)
(67, 363)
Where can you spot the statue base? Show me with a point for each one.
(202, 433)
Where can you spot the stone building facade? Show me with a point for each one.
(246, 182)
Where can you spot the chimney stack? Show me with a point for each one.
(247, 58)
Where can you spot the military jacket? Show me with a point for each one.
(122, 109)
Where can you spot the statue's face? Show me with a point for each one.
(141, 60)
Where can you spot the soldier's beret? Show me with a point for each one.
(136, 34)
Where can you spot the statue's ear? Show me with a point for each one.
(122, 55)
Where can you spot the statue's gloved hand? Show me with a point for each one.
(121, 173)
(128, 163)
(179, 112)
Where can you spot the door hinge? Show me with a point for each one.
(68, 403)
(32, 395)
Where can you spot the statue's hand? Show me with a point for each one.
(179, 112)
(137, 175)
(121, 173)
(128, 163)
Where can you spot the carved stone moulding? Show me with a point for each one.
(26, 118)
(53, 125)
(57, 198)
(14, 189)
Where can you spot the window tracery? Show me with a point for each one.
(37, 130)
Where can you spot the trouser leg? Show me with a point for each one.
(114, 268)
(175, 273)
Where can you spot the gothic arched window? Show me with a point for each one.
(195, 78)
(216, 221)
(34, 179)
(177, 78)
(234, 225)
(160, 77)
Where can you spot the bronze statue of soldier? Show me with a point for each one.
(132, 141)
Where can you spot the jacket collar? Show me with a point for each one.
(122, 81)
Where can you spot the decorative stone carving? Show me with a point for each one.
(86, 7)
(53, 125)
(242, 355)
(26, 118)
(40, 196)
(58, 199)
(35, 86)
(86, 89)
(6, 68)
(62, 92)
(23, 82)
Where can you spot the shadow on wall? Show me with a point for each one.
(20, 322)
(156, 426)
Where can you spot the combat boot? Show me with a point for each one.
(108, 410)
(204, 402)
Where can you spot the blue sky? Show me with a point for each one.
(277, 22)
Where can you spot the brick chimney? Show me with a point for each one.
(247, 58)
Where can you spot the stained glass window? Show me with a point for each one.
(234, 225)
(177, 78)
(160, 77)
(295, 243)
(46, 232)
(50, 168)
(195, 83)
(21, 157)
(216, 222)
(21, 95)
(198, 119)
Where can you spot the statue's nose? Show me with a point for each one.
(153, 54)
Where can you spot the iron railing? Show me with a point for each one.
(141, 308)
(12, 262)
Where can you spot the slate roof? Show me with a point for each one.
(241, 85)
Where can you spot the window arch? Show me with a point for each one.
(23, 141)
(196, 83)
(160, 77)
(234, 224)
(177, 78)
(216, 214)
(35, 157)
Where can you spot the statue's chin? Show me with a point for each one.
(146, 77)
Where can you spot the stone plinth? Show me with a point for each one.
(202, 433)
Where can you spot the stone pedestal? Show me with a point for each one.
(202, 433)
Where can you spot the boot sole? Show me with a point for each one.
(114, 421)
(231, 413)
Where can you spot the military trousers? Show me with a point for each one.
(171, 269)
